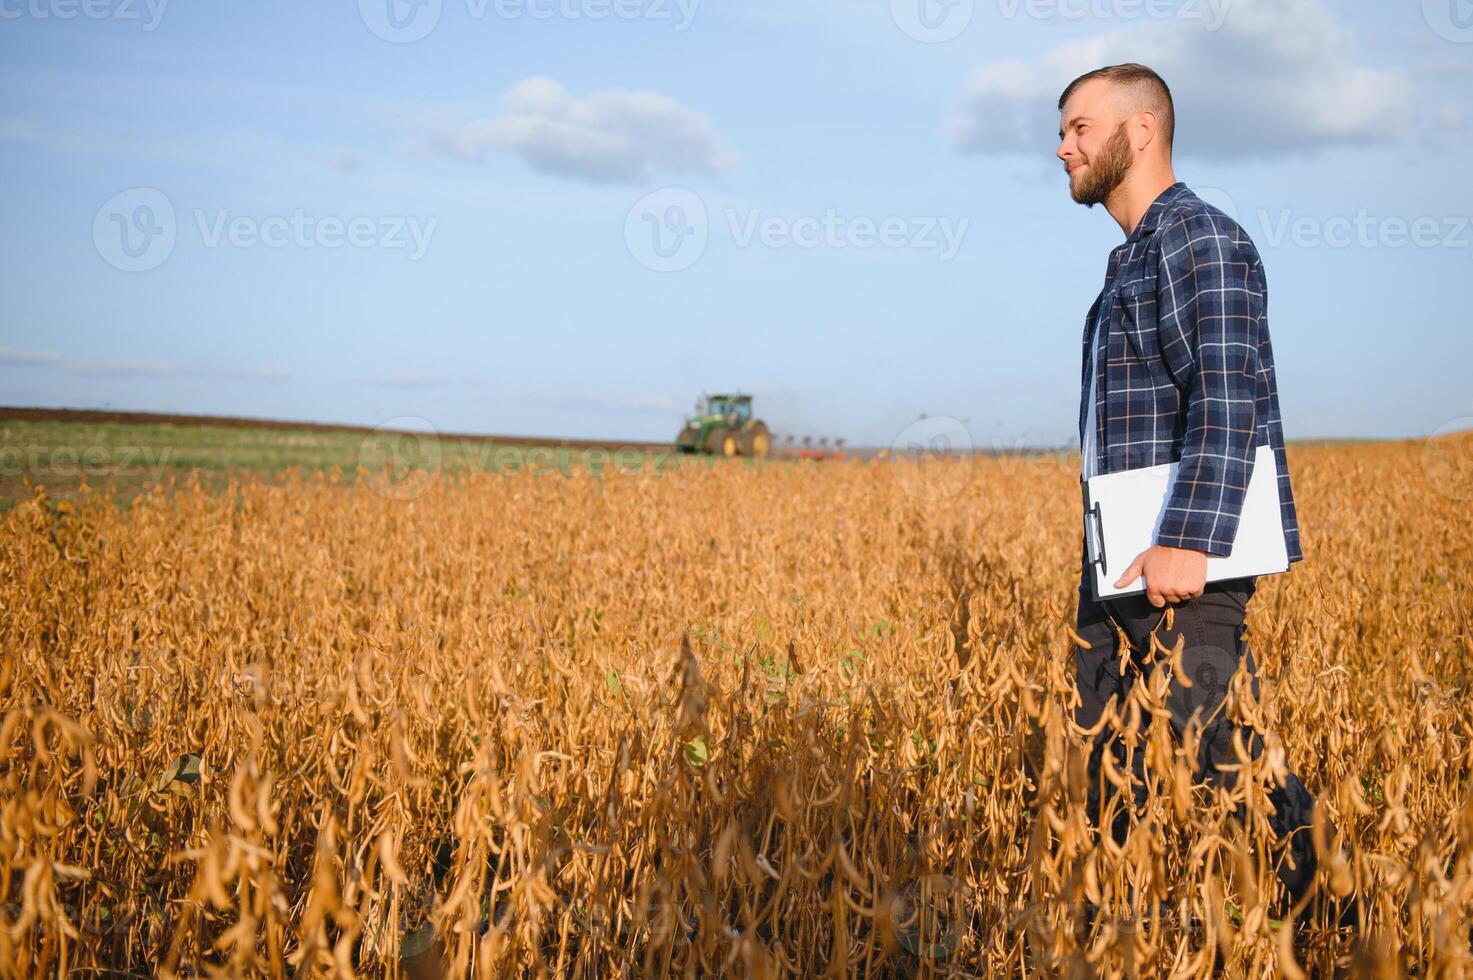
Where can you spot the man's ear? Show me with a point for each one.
(1145, 129)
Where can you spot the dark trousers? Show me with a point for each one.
(1212, 625)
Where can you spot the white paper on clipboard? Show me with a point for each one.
(1123, 512)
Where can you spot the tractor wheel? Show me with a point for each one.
(756, 441)
(722, 442)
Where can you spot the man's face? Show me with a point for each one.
(1093, 143)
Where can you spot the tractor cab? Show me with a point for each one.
(735, 409)
(723, 426)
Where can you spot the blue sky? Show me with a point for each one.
(570, 217)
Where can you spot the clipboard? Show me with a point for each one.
(1123, 513)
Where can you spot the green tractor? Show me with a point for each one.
(723, 426)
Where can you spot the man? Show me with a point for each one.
(1177, 368)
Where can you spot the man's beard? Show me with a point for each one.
(1105, 172)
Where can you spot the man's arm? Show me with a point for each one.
(1208, 317)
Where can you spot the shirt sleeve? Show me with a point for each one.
(1209, 322)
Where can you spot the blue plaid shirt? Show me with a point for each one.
(1184, 370)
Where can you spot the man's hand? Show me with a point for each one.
(1172, 574)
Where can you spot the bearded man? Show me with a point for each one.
(1178, 368)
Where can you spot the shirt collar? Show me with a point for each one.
(1152, 218)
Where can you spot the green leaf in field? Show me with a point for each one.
(614, 684)
(695, 751)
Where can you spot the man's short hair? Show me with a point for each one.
(1150, 85)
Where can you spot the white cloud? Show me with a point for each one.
(605, 137)
(125, 369)
(133, 368)
(29, 358)
(1278, 76)
(254, 374)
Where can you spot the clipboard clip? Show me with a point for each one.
(1094, 516)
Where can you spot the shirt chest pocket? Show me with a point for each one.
(1135, 311)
